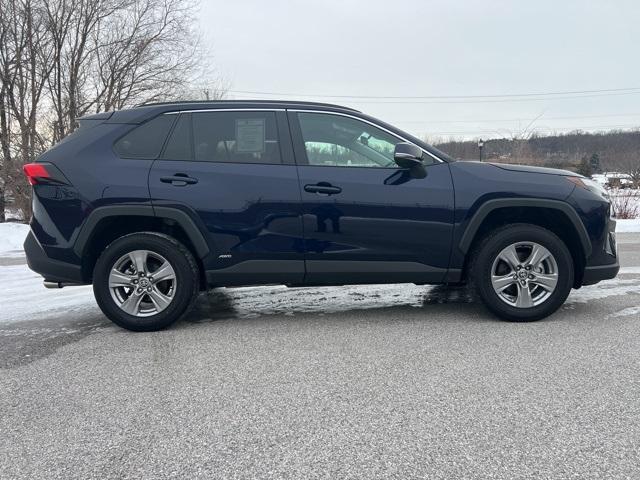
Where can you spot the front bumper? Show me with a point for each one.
(51, 270)
(595, 274)
(604, 270)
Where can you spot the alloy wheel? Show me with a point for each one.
(524, 274)
(142, 283)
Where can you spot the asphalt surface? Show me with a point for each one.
(435, 390)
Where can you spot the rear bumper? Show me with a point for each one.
(51, 270)
(595, 274)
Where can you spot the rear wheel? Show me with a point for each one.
(522, 272)
(145, 281)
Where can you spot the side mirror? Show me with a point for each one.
(407, 155)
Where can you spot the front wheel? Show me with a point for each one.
(145, 281)
(522, 272)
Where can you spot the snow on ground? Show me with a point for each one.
(12, 237)
(608, 288)
(627, 312)
(628, 226)
(24, 298)
(12, 214)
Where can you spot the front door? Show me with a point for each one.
(234, 171)
(365, 220)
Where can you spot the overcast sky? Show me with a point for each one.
(414, 48)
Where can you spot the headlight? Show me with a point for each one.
(590, 185)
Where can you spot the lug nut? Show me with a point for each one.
(135, 281)
(531, 276)
(149, 289)
(528, 267)
(139, 290)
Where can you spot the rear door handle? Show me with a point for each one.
(179, 180)
(322, 188)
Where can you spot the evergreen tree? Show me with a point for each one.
(584, 167)
(595, 163)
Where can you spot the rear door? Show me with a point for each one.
(365, 219)
(234, 171)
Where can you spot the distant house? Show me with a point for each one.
(613, 180)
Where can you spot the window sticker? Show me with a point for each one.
(250, 135)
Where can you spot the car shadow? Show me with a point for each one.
(225, 304)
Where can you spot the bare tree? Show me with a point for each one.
(69, 25)
(154, 56)
(62, 59)
(110, 54)
(5, 155)
(23, 58)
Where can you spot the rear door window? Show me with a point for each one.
(145, 141)
(236, 137)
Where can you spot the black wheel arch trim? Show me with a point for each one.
(486, 208)
(180, 217)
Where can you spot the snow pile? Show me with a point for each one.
(12, 237)
(23, 297)
(628, 226)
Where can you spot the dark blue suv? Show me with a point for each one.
(154, 204)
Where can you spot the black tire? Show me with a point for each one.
(490, 247)
(184, 290)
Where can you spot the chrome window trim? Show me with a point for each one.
(298, 110)
(204, 110)
(370, 123)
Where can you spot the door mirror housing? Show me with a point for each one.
(407, 155)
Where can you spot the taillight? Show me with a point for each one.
(39, 173)
(35, 172)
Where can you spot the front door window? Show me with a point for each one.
(339, 141)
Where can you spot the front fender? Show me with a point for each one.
(489, 206)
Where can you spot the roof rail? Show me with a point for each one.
(296, 103)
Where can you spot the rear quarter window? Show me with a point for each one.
(146, 140)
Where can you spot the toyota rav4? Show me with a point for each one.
(154, 204)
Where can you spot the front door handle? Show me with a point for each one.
(179, 180)
(322, 188)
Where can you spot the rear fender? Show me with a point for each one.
(184, 220)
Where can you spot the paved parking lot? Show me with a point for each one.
(358, 382)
